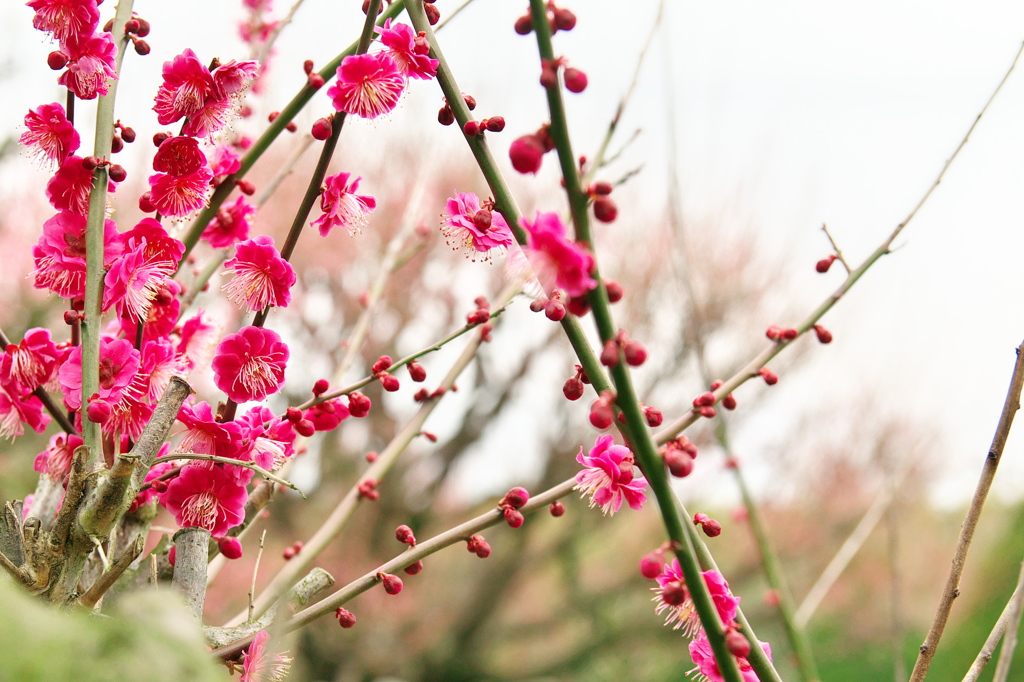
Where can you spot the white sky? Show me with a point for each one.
(807, 112)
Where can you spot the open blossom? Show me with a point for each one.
(273, 439)
(67, 20)
(367, 85)
(179, 156)
(225, 160)
(59, 254)
(49, 134)
(19, 406)
(68, 189)
(205, 435)
(32, 362)
(342, 206)
(261, 276)
(190, 90)
(199, 336)
(91, 65)
(149, 257)
(162, 316)
(557, 260)
(473, 229)
(409, 50)
(207, 497)
(231, 224)
(118, 363)
(707, 667)
(176, 196)
(684, 616)
(55, 460)
(250, 365)
(259, 666)
(608, 476)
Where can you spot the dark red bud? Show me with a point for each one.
(610, 353)
(555, 310)
(524, 25)
(704, 400)
(315, 81)
(711, 528)
(614, 290)
(389, 382)
(513, 517)
(433, 14)
(482, 220)
(825, 263)
(116, 144)
(556, 509)
(346, 618)
(246, 187)
(117, 173)
(773, 332)
(575, 80)
(416, 371)
(404, 534)
(128, 134)
(573, 389)
(737, 644)
(392, 583)
(769, 376)
(320, 387)
(679, 462)
(605, 210)
(141, 47)
(708, 412)
(470, 101)
(472, 128)
(495, 124)
(516, 497)
(131, 26)
(56, 60)
(382, 364)
(564, 19)
(653, 416)
(445, 116)
(231, 548)
(729, 402)
(824, 335)
(789, 334)
(526, 154)
(358, 404)
(414, 569)
(650, 565)
(305, 428)
(635, 353)
(144, 27)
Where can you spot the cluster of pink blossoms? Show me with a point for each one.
(474, 228)
(87, 52)
(682, 615)
(608, 476)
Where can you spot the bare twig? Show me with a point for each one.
(835, 248)
(1012, 624)
(238, 463)
(952, 589)
(255, 570)
(107, 580)
(985, 655)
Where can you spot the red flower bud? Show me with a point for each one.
(433, 14)
(513, 517)
(315, 82)
(704, 400)
(556, 509)
(789, 334)
(674, 594)
(524, 26)
(404, 534)
(573, 388)
(825, 263)
(56, 60)
(605, 210)
(610, 353)
(358, 404)
(680, 463)
(769, 376)
(708, 412)
(635, 353)
(392, 583)
(614, 290)
(495, 124)
(445, 115)
(231, 548)
(346, 618)
(737, 644)
(320, 387)
(650, 565)
(472, 128)
(413, 569)
(729, 402)
(555, 310)
(516, 497)
(416, 371)
(773, 332)
(526, 154)
(564, 19)
(824, 335)
(653, 416)
(575, 81)
(470, 101)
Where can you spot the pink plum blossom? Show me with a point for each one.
(190, 90)
(69, 188)
(409, 50)
(225, 161)
(59, 254)
(473, 229)
(67, 20)
(261, 276)
(176, 196)
(259, 666)
(19, 406)
(162, 316)
(557, 260)
(608, 476)
(207, 497)
(118, 363)
(707, 667)
(684, 616)
(179, 156)
(341, 206)
(32, 362)
(199, 336)
(55, 460)
(368, 85)
(231, 223)
(49, 134)
(250, 365)
(91, 65)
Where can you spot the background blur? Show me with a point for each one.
(755, 123)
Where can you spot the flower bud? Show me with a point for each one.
(495, 124)
(610, 353)
(825, 263)
(824, 335)
(564, 19)
(573, 388)
(605, 210)
(635, 353)
(680, 463)
(116, 144)
(653, 416)
(737, 644)
(320, 387)
(144, 27)
(575, 81)
(128, 134)
(516, 497)
(307, 66)
(171, 555)
(392, 583)
(614, 290)
(711, 528)
(556, 509)
(246, 188)
(322, 129)
(769, 376)
(708, 412)
(650, 565)
(346, 618)
(358, 404)
(315, 81)
(433, 14)
(305, 428)
(704, 400)
(773, 332)
(789, 334)
(404, 534)
(413, 569)
(674, 593)
(141, 47)
(555, 310)
(382, 364)
(98, 411)
(416, 371)
(389, 382)
(56, 60)
(524, 25)
(729, 402)
(526, 154)
(472, 128)
(231, 548)
(513, 517)
(445, 116)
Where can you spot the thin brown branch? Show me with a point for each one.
(835, 248)
(1012, 625)
(989, 648)
(952, 589)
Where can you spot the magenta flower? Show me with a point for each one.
(558, 261)
(250, 365)
(231, 224)
(69, 188)
(707, 667)
(150, 257)
(257, 664)
(367, 85)
(32, 362)
(90, 65)
(49, 134)
(207, 497)
(67, 20)
(199, 335)
(59, 254)
(473, 229)
(17, 407)
(608, 476)
(179, 156)
(409, 50)
(119, 362)
(55, 460)
(684, 616)
(175, 196)
(342, 206)
(273, 439)
(225, 161)
(261, 278)
(205, 435)
(206, 99)
(162, 317)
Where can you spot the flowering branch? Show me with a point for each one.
(56, 412)
(963, 543)
(264, 141)
(416, 553)
(92, 323)
(239, 463)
